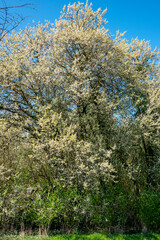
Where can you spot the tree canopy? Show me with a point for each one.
(79, 126)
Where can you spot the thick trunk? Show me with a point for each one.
(45, 231)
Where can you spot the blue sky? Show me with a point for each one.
(140, 18)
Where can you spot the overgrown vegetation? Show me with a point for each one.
(79, 129)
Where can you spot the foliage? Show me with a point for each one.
(79, 128)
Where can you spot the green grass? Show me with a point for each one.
(95, 236)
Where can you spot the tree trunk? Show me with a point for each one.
(40, 232)
(22, 229)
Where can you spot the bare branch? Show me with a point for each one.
(10, 20)
(17, 6)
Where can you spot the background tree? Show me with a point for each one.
(9, 19)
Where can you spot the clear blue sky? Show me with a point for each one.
(138, 17)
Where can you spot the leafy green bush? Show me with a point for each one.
(150, 209)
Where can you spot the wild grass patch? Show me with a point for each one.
(95, 236)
